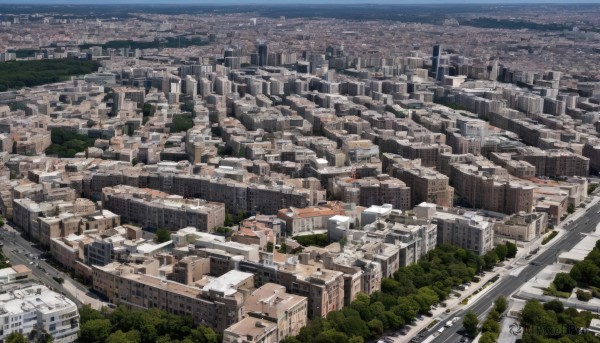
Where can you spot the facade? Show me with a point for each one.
(522, 226)
(155, 210)
(218, 304)
(251, 330)
(270, 302)
(485, 185)
(38, 308)
(368, 191)
(468, 231)
(323, 288)
(427, 185)
(415, 241)
(312, 218)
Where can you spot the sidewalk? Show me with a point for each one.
(452, 303)
(580, 212)
(81, 296)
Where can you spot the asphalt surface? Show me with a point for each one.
(20, 251)
(509, 284)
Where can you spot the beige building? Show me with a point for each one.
(426, 185)
(324, 288)
(68, 250)
(298, 220)
(482, 184)
(190, 270)
(522, 226)
(555, 162)
(368, 191)
(218, 303)
(287, 311)
(251, 330)
(469, 231)
(155, 209)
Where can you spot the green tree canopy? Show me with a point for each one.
(95, 331)
(470, 323)
(501, 252)
(500, 304)
(15, 337)
(124, 337)
(162, 235)
(564, 282)
(511, 249)
(19, 74)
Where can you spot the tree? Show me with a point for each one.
(204, 334)
(585, 273)
(583, 295)
(182, 123)
(570, 208)
(500, 304)
(490, 325)
(45, 337)
(490, 259)
(124, 337)
(95, 330)
(554, 305)
(564, 282)
(16, 337)
(488, 337)
(376, 327)
(501, 252)
(331, 336)
(532, 313)
(511, 249)
(162, 235)
(470, 323)
(87, 313)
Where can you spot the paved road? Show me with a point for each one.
(16, 249)
(509, 284)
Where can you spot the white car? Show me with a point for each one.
(448, 324)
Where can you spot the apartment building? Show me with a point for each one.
(369, 191)
(415, 241)
(426, 185)
(482, 184)
(468, 230)
(251, 330)
(311, 218)
(154, 209)
(324, 288)
(555, 163)
(38, 308)
(522, 226)
(270, 302)
(218, 303)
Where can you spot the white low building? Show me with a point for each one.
(38, 308)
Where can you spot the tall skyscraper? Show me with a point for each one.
(263, 55)
(435, 59)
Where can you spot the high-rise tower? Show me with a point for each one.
(263, 55)
(435, 59)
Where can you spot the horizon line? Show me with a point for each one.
(286, 3)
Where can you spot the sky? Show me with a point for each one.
(249, 2)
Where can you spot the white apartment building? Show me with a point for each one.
(38, 308)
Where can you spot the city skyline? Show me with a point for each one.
(290, 2)
(327, 171)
